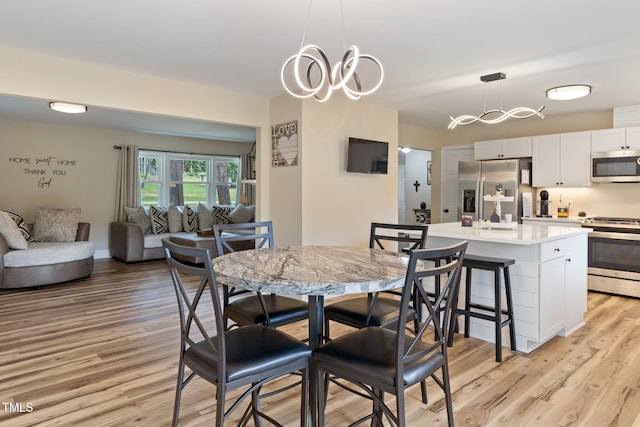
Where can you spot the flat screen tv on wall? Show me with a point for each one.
(366, 156)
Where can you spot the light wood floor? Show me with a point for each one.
(102, 351)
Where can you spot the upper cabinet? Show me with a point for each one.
(615, 139)
(562, 160)
(608, 140)
(511, 148)
(633, 138)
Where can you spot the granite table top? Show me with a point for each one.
(312, 270)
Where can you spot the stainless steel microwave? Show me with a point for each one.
(615, 166)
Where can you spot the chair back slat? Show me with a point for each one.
(414, 235)
(424, 265)
(191, 282)
(260, 233)
(383, 233)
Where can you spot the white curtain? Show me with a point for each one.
(127, 181)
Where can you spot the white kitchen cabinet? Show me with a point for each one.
(562, 160)
(510, 148)
(552, 287)
(603, 140)
(576, 284)
(616, 139)
(633, 138)
(552, 297)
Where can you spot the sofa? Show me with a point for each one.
(41, 263)
(139, 237)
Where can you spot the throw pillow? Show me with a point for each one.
(159, 221)
(189, 219)
(139, 216)
(240, 214)
(12, 234)
(130, 214)
(22, 225)
(56, 225)
(205, 217)
(174, 217)
(221, 215)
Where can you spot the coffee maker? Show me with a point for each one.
(544, 204)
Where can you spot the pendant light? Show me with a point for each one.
(314, 76)
(496, 115)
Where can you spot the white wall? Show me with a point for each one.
(286, 181)
(337, 206)
(332, 206)
(416, 162)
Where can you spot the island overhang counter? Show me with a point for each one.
(548, 279)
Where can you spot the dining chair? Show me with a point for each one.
(247, 356)
(248, 307)
(388, 360)
(375, 309)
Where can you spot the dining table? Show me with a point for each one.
(314, 272)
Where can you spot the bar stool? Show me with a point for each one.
(480, 311)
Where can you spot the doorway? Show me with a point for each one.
(414, 186)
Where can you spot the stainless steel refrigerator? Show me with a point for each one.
(480, 180)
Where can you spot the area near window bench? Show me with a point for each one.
(139, 238)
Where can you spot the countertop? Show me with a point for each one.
(521, 234)
(571, 219)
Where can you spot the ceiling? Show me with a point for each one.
(433, 52)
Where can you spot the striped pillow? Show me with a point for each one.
(12, 235)
(221, 215)
(189, 219)
(159, 221)
(22, 225)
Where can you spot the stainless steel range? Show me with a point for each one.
(614, 255)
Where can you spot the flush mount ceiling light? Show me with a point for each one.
(314, 77)
(568, 92)
(496, 115)
(405, 150)
(65, 107)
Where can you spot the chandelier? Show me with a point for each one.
(313, 75)
(496, 115)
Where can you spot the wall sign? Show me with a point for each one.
(284, 144)
(44, 170)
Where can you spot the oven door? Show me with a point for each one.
(614, 254)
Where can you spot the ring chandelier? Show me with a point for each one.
(315, 77)
(489, 116)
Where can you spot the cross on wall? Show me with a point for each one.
(416, 184)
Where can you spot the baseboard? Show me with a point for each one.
(101, 254)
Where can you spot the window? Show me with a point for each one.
(181, 179)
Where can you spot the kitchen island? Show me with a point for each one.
(548, 280)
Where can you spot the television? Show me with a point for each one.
(366, 156)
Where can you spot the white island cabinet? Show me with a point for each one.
(548, 280)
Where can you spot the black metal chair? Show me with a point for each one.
(255, 308)
(383, 360)
(248, 356)
(374, 309)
